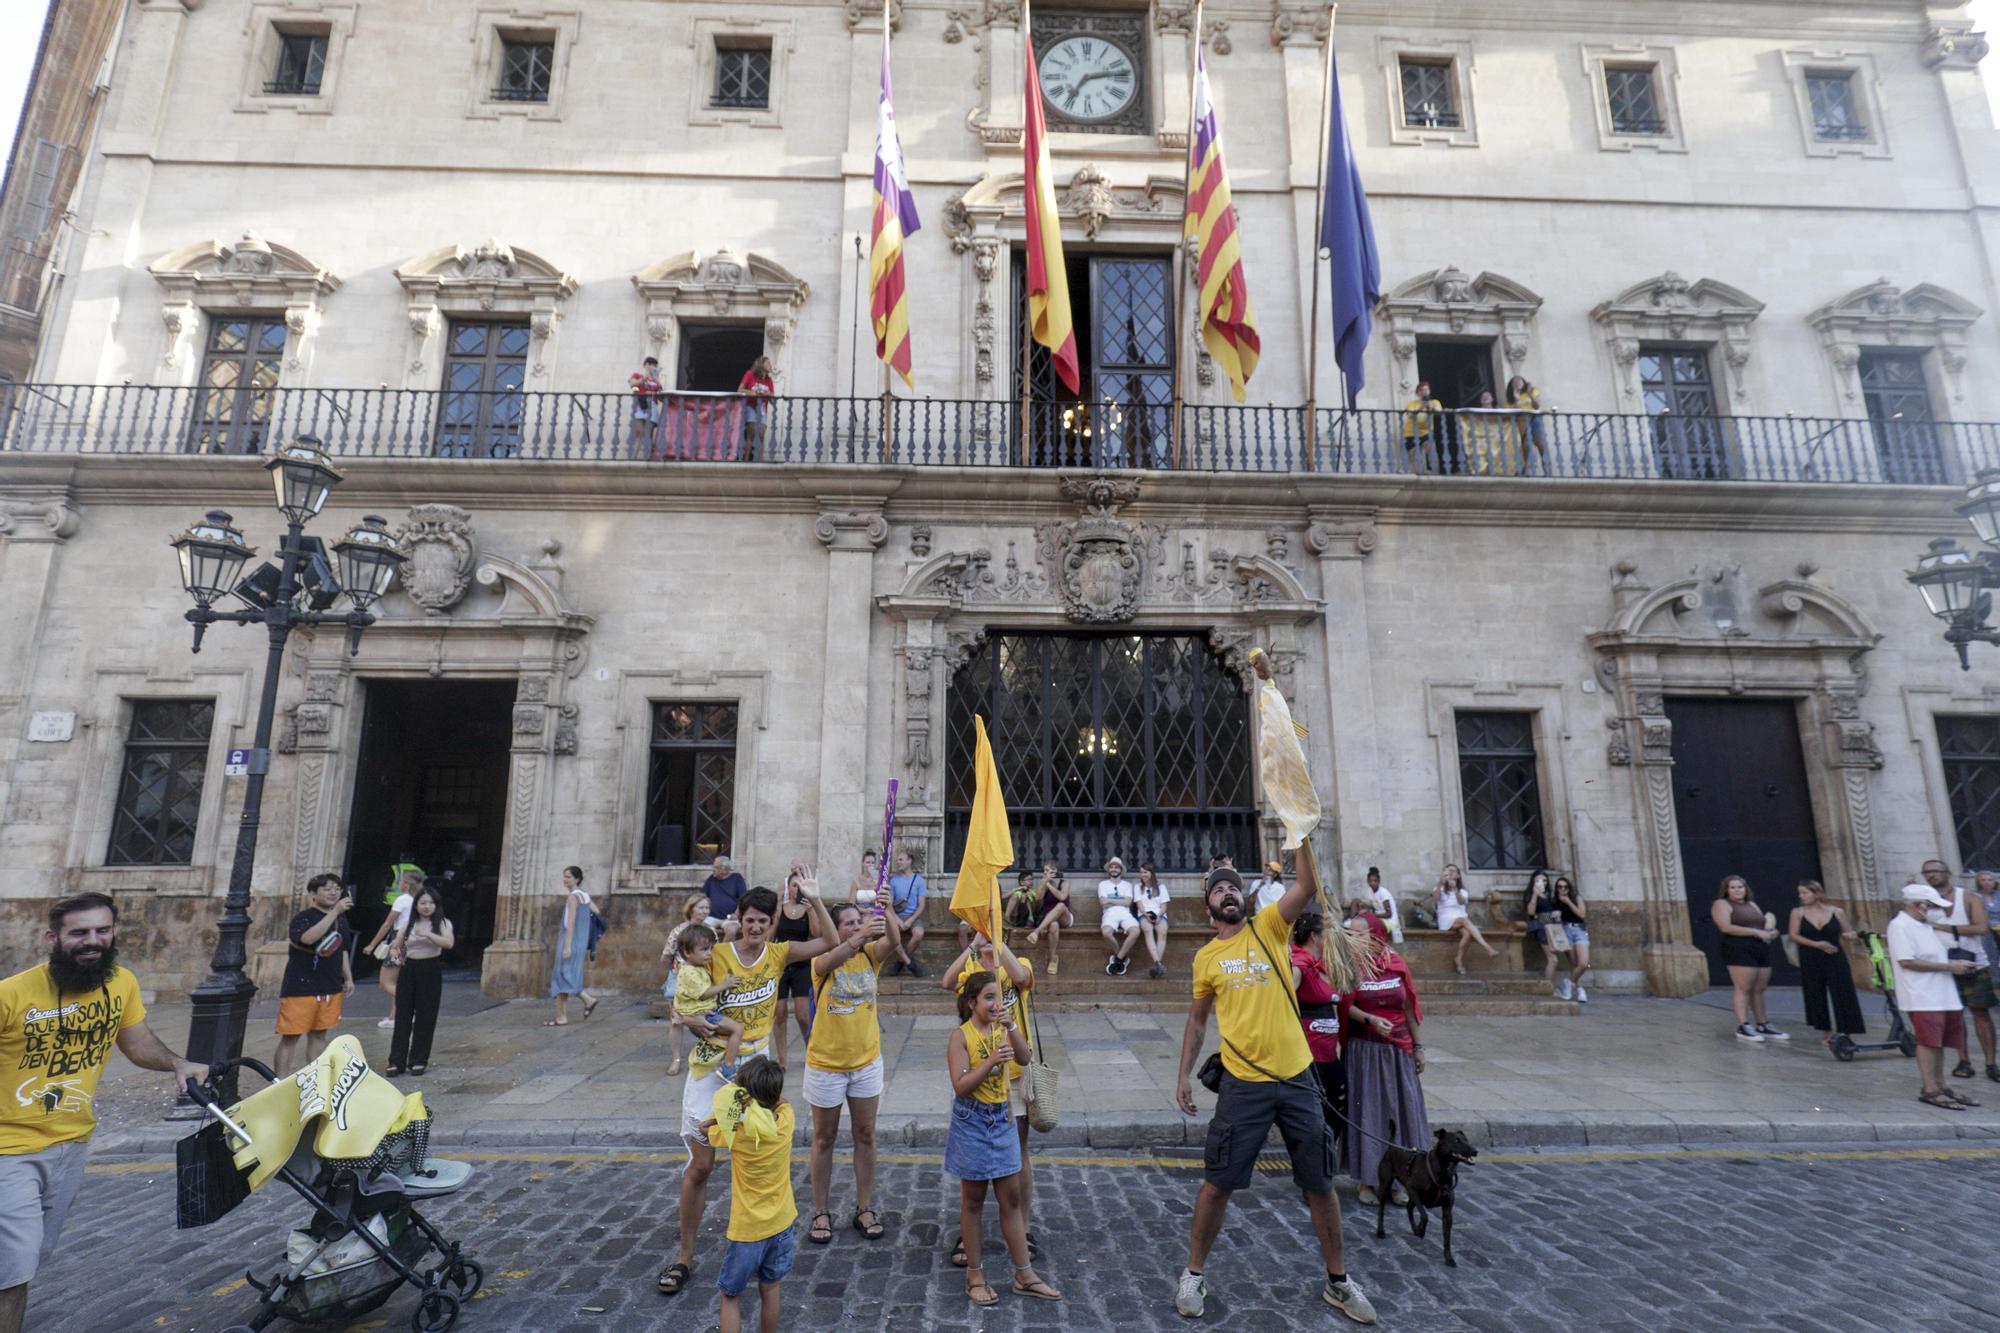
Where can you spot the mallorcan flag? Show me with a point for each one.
(1048, 280)
(1282, 764)
(989, 847)
(1227, 326)
(895, 219)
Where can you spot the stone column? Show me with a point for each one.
(35, 521)
(517, 961)
(851, 530)
(1343, 542)
(1673, 965)
(313, 734)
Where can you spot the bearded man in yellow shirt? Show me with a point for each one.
(1244, 976)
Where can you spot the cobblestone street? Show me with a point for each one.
(1696, 1240)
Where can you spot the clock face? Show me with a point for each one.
(1085, 77)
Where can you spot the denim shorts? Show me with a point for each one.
(1577, 934)
(766, 1260)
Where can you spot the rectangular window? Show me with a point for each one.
(1430, 94)
(1898, 401)
(240, 366)
(742, 73)
(482, 407)
(1835, 114)
(301, 64)
(1970, 748)
(159, 785)
(1501, 790)
(691, 784)
(526, 70)
(1634, 97)
(1680, 398)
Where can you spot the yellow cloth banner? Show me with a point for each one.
(739, 1115)
(1282, 763)
(356, 1109)
(989, 847)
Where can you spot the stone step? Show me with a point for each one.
(1429, 953)
(1164, 1002)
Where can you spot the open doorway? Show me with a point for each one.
(714, 356)
(431, 791)
(1459, 370)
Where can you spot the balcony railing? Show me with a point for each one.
(814, 432)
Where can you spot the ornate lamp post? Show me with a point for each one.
(296, 591)
(1957, 584)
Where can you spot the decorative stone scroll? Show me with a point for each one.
(1924, 317)
(724, 284)
(1669, 308)
(249, 275)
(1446, 302)
(490, 279)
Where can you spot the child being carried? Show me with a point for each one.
(695, 995)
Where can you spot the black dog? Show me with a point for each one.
(1430, 1179)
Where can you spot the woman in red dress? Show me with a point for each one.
(757, 383)
(1383, 1062)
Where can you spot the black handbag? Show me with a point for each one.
(1210, 1073)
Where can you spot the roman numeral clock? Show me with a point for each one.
(1093, 69)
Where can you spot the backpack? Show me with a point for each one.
(598, 925)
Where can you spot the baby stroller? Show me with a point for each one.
(354, 1148)
(1882, 974)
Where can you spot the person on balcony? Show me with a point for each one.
(646, 396)
(1489, 438)
(758, 384)
(1420, 421)
(1526, 400)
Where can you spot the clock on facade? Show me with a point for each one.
(1093, 71)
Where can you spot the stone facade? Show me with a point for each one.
(830, 604)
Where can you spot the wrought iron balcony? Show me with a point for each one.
(936, 432)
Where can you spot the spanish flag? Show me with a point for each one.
(1048, 281)
(1227, 325)
(989, 847)
(895, 218)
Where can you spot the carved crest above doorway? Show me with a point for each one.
(438, 538)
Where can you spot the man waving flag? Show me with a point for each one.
(1227, 325)
(895, 218)
(1048, 281)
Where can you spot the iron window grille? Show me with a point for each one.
(1970, 748)
(240, 367)
(1430, 95)
(301, 64)
(1836, 118)
(1501, 791)
(160, 782)
(691, 783)
(1633, 94)
(526, 69)
(742, 75)
(1130, 745)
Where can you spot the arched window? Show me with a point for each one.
(1134, 745)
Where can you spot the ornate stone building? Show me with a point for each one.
(1747, 249)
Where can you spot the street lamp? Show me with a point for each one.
(1957, 584)
(295, 591)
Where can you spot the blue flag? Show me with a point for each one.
(1348, 235)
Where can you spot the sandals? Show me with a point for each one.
(820, 1234)
(1944, 1101)
(974, 1284)
(1960, 1098)
(591, 1008)
(1963, 1069)
(392, 1072)
(556, 1023)
(958, 1254)
(1038, 1289)
(417, 1071)
(873, 1229)
(674, 1277)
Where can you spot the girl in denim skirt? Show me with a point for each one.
(981, 1146)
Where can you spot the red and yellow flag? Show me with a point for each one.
(895, 218)
(1227, 326)
(1048, 281)
(989, 847)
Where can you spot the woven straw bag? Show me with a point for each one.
(1043, 1096)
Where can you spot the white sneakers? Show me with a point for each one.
(1564, 990)
(385, 1022)
(1769, 1033)
(1582, 996)
(1191, 1298)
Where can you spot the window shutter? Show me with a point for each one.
(38, 198)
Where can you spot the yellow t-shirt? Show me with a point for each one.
(1020, 1004)
(1254, 1008)
(847, 1029)
(752, 996)
(760, 1178)
(992, 1088)
(690, 983)
(54, 1052)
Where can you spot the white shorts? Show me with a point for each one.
(698, 1094)
(1017, 1095)
(829, 1089)
(1449, 917)
(36, 1190)
(1119, 917)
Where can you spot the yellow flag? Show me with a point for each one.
(1282, 763)
(989, 847)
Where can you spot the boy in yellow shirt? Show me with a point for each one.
(755, 1123)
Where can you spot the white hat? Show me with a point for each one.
(1114, 861)
(1923, 893)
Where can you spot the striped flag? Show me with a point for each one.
(1227, 325)
(895, 219)
(1048, 281)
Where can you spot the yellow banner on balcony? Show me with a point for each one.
(1281, 761)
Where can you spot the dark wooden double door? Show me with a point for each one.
(1743, 807)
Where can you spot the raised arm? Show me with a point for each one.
(948, 980)
(1304, 890)
(1016, 970)
(827, 936)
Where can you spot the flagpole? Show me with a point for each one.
(1319, 230)
(888, 384)
(1181, 296)
(1027, 303)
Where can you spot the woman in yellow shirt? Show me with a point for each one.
(1526, 399)
(844, 1060)
(981, 1147)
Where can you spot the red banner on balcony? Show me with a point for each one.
(699, 428)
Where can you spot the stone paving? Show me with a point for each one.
(1746, 1239)
(1626, 1070)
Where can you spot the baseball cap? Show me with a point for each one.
(1221, 875)
(1923, 893)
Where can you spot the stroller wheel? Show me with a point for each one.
(464, 1277)
(436, 1312)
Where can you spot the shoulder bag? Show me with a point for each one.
(1041, 1076)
